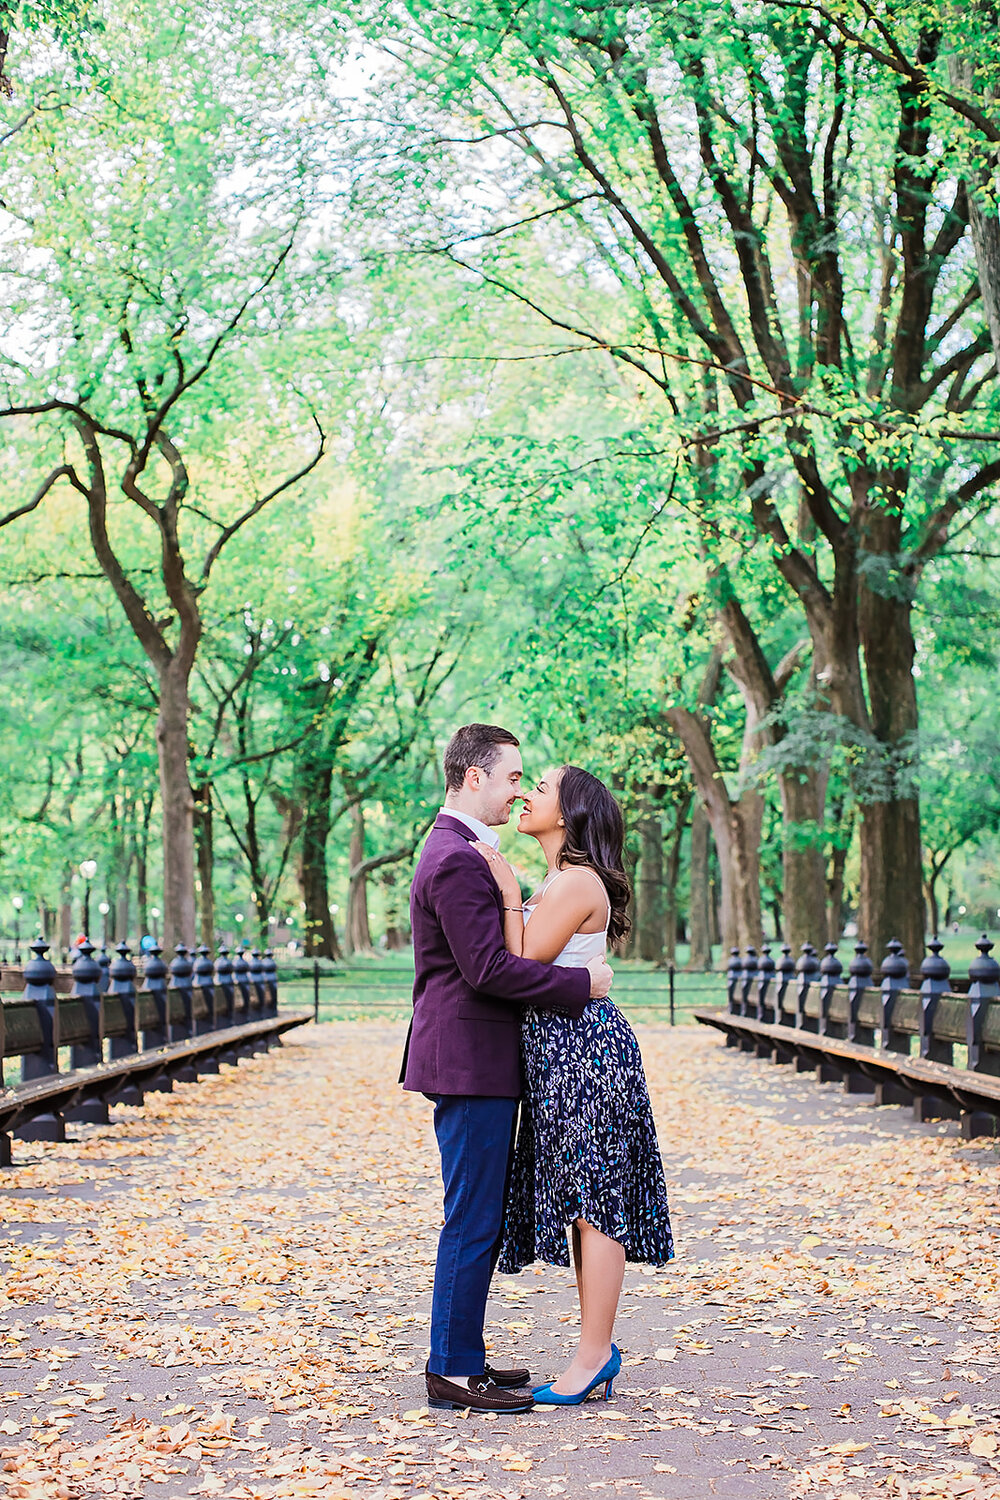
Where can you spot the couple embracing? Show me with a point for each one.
(510, 1005)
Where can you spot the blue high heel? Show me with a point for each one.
(545, 1396)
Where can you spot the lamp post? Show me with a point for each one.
(17, 902)
(88, 870)
(154, 912)
(104, 908)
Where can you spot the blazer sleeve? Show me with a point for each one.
(464, 898)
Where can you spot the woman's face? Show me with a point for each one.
(540, 813)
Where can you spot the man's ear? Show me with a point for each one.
(472, 776)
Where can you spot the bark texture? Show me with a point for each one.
(803, 863)
(891, 857)
(699, 910)
(204, 842)
(314, 784)
(984, 222)
(358, 936)
(649, 889)
(671, 876)
(177, 800)
(736, 827)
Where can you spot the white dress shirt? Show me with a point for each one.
(482, 831)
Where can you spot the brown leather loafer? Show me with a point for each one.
(508, 1377)
(479, 1394)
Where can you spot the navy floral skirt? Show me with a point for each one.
(586, 1144)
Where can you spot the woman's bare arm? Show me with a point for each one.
(510, 893)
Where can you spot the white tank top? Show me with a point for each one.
(582, 946)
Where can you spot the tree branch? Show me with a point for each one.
(136, 610)
(259, 504)
(64, 471)
(403, 852)
(936, 529)
(898, 62)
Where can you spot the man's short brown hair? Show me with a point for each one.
(473, 745)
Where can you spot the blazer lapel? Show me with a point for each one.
(446, 824)
(449, 824)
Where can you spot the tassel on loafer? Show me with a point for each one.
(545, 1396)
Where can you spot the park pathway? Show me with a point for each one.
(225, 1294)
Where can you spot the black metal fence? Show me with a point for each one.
(92, 1037)
(101, 1008)
(382, 987)
(934, 1010)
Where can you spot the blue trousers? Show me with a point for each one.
(476, 1139)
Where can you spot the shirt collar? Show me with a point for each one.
(482, 831)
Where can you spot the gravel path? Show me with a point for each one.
(226, 1293)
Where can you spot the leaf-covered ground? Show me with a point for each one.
(226, 1293)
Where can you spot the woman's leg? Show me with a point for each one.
(577, 1263)
(600, 1265)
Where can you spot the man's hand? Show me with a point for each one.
(600, 979)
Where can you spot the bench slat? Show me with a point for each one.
(960, 1083)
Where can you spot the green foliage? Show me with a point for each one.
(545, 484)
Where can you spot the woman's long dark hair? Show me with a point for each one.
(595, 836)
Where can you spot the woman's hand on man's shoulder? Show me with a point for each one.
(500, 870)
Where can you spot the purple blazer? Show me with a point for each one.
(469, 993)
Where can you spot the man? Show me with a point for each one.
(463, 1052)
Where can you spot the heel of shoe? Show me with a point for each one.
(609, 1388)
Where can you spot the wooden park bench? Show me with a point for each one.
(934, 1045)
(88, 1038)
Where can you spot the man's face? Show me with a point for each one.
(500, 788)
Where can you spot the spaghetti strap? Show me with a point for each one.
(586, 868)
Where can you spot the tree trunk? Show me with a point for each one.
(314, 781)
(803, 793)
(986, 243)
(650, 889)
(747, 817)
(628, 946)
(358, 937)
(121, 905)
(203, 842)
(736, 828)
(699, 912)
(177, 802)
(142, 868)
(262, 912)
(395, 935)
(983, 220)
(935, 866)
(671, 874)
(835, 894)
(65, 925)
(891, 904)
(930, 888)
(260, 895)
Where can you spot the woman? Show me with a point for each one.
(586, 1157)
